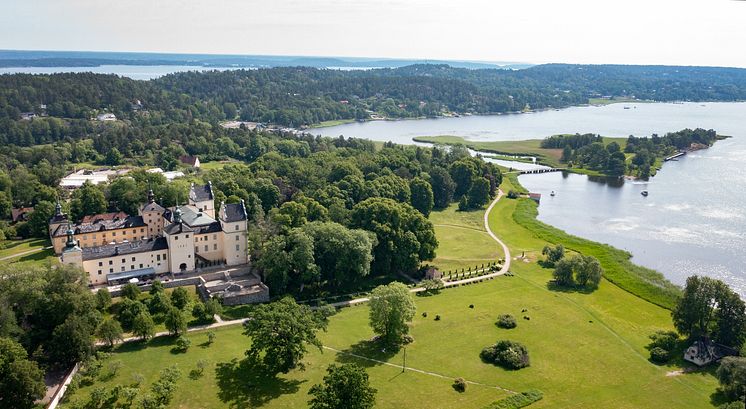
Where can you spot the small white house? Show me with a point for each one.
(106, 117)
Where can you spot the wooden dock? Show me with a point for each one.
(530, 172)
(672, 157)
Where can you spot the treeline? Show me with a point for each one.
(297, 96)
(590, 152)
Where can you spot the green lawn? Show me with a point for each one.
(463, 242)
(531, 147)
(587, 350)
(332, 123)
(205, 166)
(9, 248)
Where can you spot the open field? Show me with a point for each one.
(587, 349)
(332, 123)
(615, 100)
(463, 242)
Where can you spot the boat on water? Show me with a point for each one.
(644, 193)
(626, 108)
(552, 194)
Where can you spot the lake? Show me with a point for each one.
(692, 222)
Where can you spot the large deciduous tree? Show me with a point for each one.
(709, 307)
(279, 333)
(443, 187)
(87, 200)
(345, 387)
(391, 308)
(405, 236)
(422, 195)
(21, 380)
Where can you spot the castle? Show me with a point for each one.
(113, 248)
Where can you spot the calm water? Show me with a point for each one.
(137, 72)
(693, 221)
(610, 120)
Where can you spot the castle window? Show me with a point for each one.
(111, 270)
(122, 268)
(214, 236)
(215, 246)
(206, 247)
(196, 249)
(132, 267)
(110, 262)
(140, 265)
(100, 263)
(237, 238)
(236, 227)
(133, 259)
(113, 233)
(164, 256)
(99, 272)
(158, 257)
(238, 247)
(187, 236)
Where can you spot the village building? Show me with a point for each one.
(189, 160)
(20, 214)
(113, 248)
(106, 117)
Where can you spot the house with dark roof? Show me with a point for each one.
(20, 214)
(190, 160)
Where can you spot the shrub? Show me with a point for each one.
(664, 340)
(517, 401)
(508, 354)
(512, 194)
(659, 355)
(183, 343)
(211, 337)
(437, 317)
(424, 315)
(459, 384)
(506, 321)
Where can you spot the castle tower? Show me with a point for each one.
(152, 214)
(72, 253)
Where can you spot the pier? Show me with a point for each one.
(672, 157)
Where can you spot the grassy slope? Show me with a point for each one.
(587, 350)
(463, 242)
(13, 247)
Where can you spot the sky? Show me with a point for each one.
(673, 32)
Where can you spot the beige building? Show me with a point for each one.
(157, 241)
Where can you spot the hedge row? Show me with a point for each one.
(520, 400)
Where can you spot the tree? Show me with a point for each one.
(463, 173)
(391, 308)
(508, 354)
(563, 273)
(38, 220)
(443, 187)
(143, 326)
(109, 331)
(463, 203)
(72, 341)
(732, 377)
(212, 308)
(128, 310)
(159, 303)
(616, 165)
(127, 194)
(279, 333)
(588, 271)
(21, 380)
(709, 306)
(175, 322)
(131, 291)
(422, 195)
(103, 299)
(342, 255)
(113, 157)
(345, 387)
(87, 200)
(553, 254)
(405, 237)
(157, 287)
(180, 297)
(479, 193)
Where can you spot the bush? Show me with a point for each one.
(508, 354)
(659, 355)
(517, 401)
(459, 384)
(664, 340)
(506, 321)
(183, 343)
(512, 194)
(437, 317)
(211, 337)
